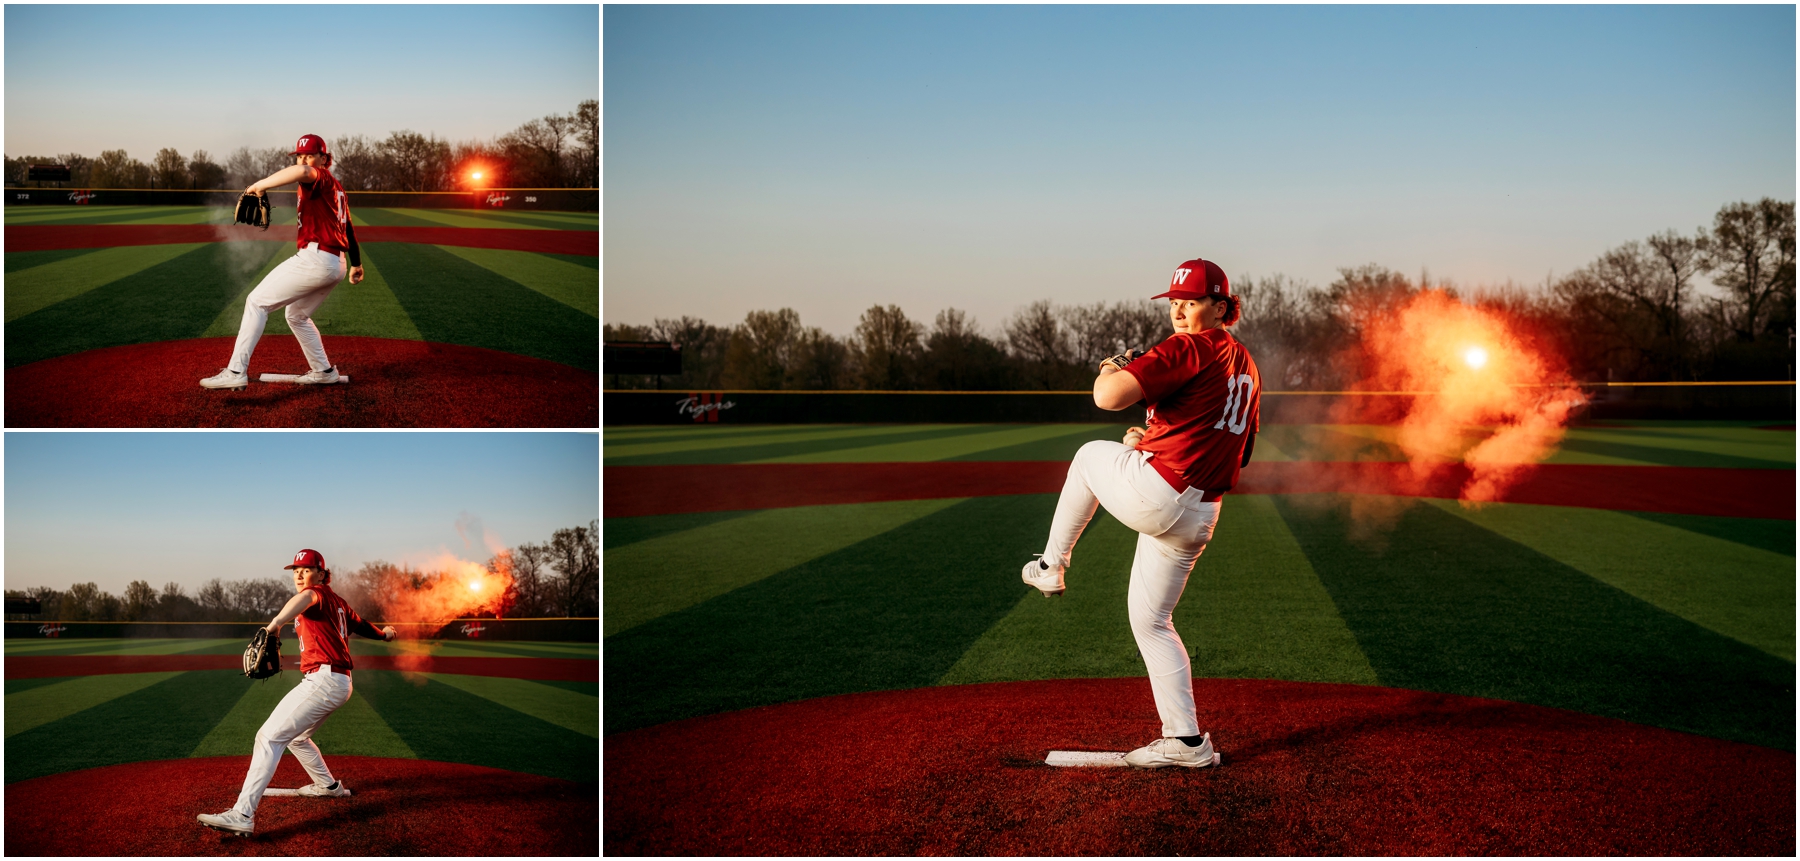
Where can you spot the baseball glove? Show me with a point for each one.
(1122, 359)
(262, 658)
(253, 209)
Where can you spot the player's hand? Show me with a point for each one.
(1134, 436)
(273, 628)
(389, 633)
(356, 274)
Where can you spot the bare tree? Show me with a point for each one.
(80, 169)
(958, 357)
(112, 169)
(139, 599)
(169, 169)
(81, 603)
(414, 162)
(213, 598)
(243, 167)
(575, 554)
(886, 349)
(1752, 255)
(761, 350)
(356, 163)
(1037, 337)
(531, 595)
(203, 173)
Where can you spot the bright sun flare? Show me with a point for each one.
(475, 585)
(1475, 356)
(477, 174)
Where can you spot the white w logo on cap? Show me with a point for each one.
(299, 556)
(1180, 277)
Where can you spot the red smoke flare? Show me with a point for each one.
(1485, 395)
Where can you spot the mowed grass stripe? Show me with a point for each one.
(40, 287)
(1253, 608)
(172, 300)
(230, 315)
(15, 686)
(471, 649)
(78, 214)
(620, 531)
(1772, 451)
(384, 216)
(575, 286)
(354, 729)
(553, 221)
(752, 450)
(943, 448)
(163, 721)
(1438, 603)
(466, 218)
(21, 261)
(126, 646)
(566, 709)
(1742, 592)
(672, 572)
(38, 706)
(454, 301)
(1775, 536)
(703, 442)
(1057, 447)
(891, 612)
(442, 722)
(368, 308)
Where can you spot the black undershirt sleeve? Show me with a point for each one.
(355, 250)
(1249, 446)
(362, 628)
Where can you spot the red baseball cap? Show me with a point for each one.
(311, 144)
(308, 559)
(1197, 279)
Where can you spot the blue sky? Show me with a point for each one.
(831, 158)
(139, 78)
(187, 507)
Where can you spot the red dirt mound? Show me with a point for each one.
(393, 383)
(1309, 769)
(51, 237)
(399, 807)
(641, 490)
(545, 669)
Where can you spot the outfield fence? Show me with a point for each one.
(581, 629)
(1771, 401)
(554, 199)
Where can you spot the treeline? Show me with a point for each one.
(1636, 313)
(559, 577)
(558, 151)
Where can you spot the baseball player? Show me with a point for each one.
(323, 622)
(1166, 481)
(301, 283)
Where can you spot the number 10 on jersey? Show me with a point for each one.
(1237, 403)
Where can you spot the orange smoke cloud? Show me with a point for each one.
(451, 588)
(1485, 397)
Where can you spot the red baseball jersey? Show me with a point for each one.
(1203, 391)
(324, 630)
(323, 213)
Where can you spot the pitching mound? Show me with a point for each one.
(1309, 769)
(400, 807)
(394, 383)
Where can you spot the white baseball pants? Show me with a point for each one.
(291, 725)
(1173, 528)
(300, 284)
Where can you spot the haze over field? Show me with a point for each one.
(828, 158)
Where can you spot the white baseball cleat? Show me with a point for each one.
(318, 378)
(1040, 574)
(230, 821)
(1174, 751)
(226, 378)
(336, 790)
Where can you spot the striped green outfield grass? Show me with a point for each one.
(56, 725)
(527, 303)
(1678, 621)
(1739, 445)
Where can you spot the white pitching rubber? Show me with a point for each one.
(281, 792)
(1085, 758)
(288, 378)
